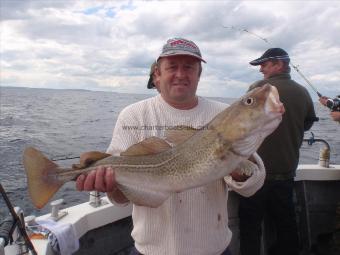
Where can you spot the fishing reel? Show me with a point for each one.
(333, 104)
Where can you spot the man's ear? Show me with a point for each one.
(279, 65)
(157, 71)
(156, 78)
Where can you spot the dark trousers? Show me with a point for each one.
(274, 199)
(134, 251)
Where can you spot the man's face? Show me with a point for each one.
(269, 68)
(178, 78)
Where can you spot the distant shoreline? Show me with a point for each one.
(84, 90)
(107, 91)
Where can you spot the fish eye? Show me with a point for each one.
(249, 101)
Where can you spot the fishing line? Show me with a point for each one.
(268, 42)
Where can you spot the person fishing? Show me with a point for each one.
(333, 105)
(194, 221)
(280, 153)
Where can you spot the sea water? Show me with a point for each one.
(64, 123)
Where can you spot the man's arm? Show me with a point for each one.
(335, 116)
(311, 117)
(250, 185)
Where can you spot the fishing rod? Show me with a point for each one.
(18, 222)
(268, 42)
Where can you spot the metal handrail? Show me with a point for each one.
(2, 246)
(324, 155)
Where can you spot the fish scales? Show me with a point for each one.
(181, 166)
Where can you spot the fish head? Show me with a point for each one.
(249, 120)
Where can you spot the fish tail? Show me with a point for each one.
(41, 177)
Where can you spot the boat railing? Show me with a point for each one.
(2, 246)
(324, 155)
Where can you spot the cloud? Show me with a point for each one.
(110, 45)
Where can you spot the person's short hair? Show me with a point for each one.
(150, 84)
(285, 68)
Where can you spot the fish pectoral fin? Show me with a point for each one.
(179, 134)
(88, 158)
(149, 146)
(143, 197)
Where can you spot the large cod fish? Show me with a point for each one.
(150, 171)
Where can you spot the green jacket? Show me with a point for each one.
(280, 150)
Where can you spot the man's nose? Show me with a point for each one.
(180, 72)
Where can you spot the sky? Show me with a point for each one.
(110, 45)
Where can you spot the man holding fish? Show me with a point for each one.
(178, 185)
(172, 159)
(194, 221)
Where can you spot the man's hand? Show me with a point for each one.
(238, 176)
(244, 170)
(335, 116)
(323, 100)
(102, 179)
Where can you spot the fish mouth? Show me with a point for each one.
(273, 105)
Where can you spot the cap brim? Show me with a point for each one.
(261, 60)
(258, 61)
(180, 53)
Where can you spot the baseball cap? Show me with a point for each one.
(181, 46)
(151, 85)
(272, 53)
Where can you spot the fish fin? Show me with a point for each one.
(149, 146)
(143, 197)
(41, 177)
(88, 158)
(117, 196)
(179, 134)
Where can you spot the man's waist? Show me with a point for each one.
(280, 176)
